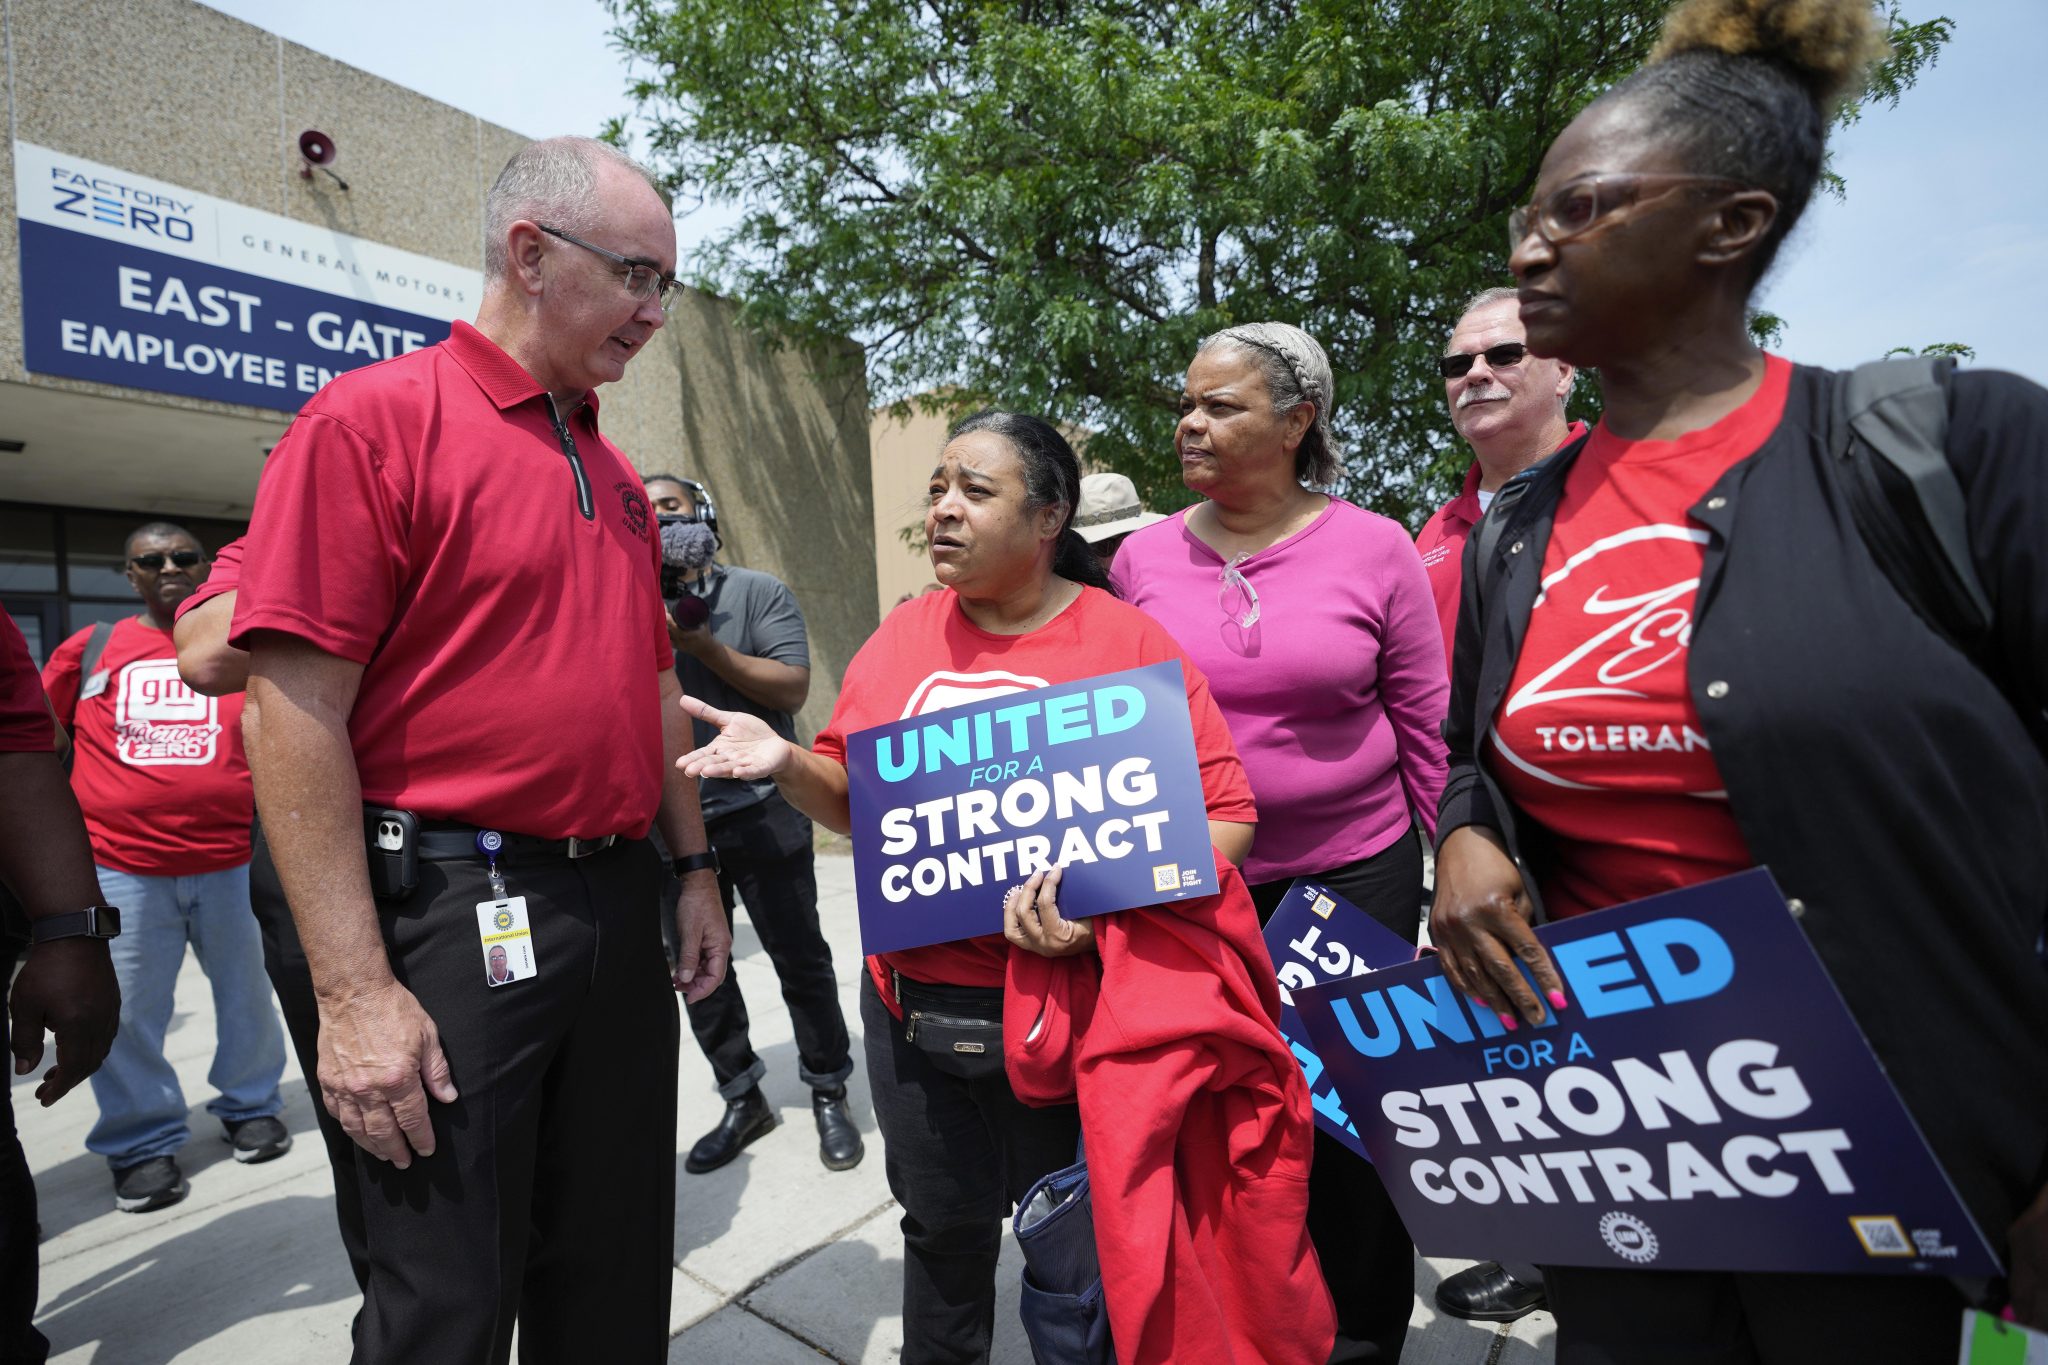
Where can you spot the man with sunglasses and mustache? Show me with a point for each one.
(1509, 407)
(161, 778)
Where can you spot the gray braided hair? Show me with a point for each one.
(1296, 372)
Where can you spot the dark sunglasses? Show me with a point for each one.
(154, 560)
(1499, 357)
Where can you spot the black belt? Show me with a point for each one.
(447, 839)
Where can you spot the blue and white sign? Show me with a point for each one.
(1316, 936)
(134, 281)
(1099, 777)
(1703, 1102)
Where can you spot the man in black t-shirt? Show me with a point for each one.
(742, 647)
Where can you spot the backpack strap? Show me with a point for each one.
(94, 647)
(1890, 444)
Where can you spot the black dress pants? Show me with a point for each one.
(284, 961)
(1621, 1317)
(1367, 1255)
(20, 1342)
(764, 855)
(550, 1197)
(959, 1154)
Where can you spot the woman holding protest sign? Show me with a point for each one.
(1691, 647)
(1204, 1256)
(1312, 619)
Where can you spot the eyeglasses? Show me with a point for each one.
(643, 281)
(1236, 595)
(1573, 209)
(1457, 365)
(154, 560)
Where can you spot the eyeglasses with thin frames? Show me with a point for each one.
(154, 560)
(643, 281)
(1577, 207)
(1236, 595)
(1459, 364)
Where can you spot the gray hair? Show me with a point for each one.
(552, 182)
(1500, 293)
(1297, 371)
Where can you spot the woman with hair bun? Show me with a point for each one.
(1893, 785)
(1314, 621)
(1194, 1109)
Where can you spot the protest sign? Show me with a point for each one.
(1704, 1102)
(951, 809)
(1315, 935)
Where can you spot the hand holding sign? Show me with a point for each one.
(1031, 919)
(1479, 925)
(744, 749)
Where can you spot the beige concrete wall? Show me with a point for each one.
(172, 89)
(781, 440)
(902, 451)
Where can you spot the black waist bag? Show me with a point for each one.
(959, 1027)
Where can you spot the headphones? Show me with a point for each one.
(702, 509)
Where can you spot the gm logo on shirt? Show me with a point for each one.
(103, 199)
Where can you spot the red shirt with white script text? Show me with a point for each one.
(1598, 736)
(158, 768)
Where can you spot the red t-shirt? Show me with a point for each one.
(158, 768)
(1442, 545)
(928, 656)
(25, 726)
(421, 518)
(1598, 737)
(224, 575)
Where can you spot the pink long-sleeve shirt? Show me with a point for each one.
(1334, 695)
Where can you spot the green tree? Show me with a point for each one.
(1046, 203)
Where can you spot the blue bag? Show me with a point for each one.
(1065, 1315)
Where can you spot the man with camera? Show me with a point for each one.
(740, 646)
(464, 721)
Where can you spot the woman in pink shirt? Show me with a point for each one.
(1314, 622)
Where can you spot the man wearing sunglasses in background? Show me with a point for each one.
(1509, 407)
(164, 787)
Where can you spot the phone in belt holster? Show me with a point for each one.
(393, 840)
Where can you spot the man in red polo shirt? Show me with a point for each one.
(1509, 407)
(463, 692)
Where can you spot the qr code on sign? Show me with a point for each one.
(1882, 1236)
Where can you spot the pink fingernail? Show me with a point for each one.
(1556, 999)
(1507, 1021)
(2007, 1313)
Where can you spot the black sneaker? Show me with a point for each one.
(153, 1184)
(261, 1139)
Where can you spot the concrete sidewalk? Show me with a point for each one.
(777, 1259)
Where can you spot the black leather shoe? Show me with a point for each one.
(839, 1144)
(746, 1118)
(1487, 1293)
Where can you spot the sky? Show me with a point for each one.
(1943, 235)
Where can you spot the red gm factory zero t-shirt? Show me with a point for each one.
(928, 656)
(1598, 738)
(158, 768)
(422, 518)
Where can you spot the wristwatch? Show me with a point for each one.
(694, 862)
(95, 921)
